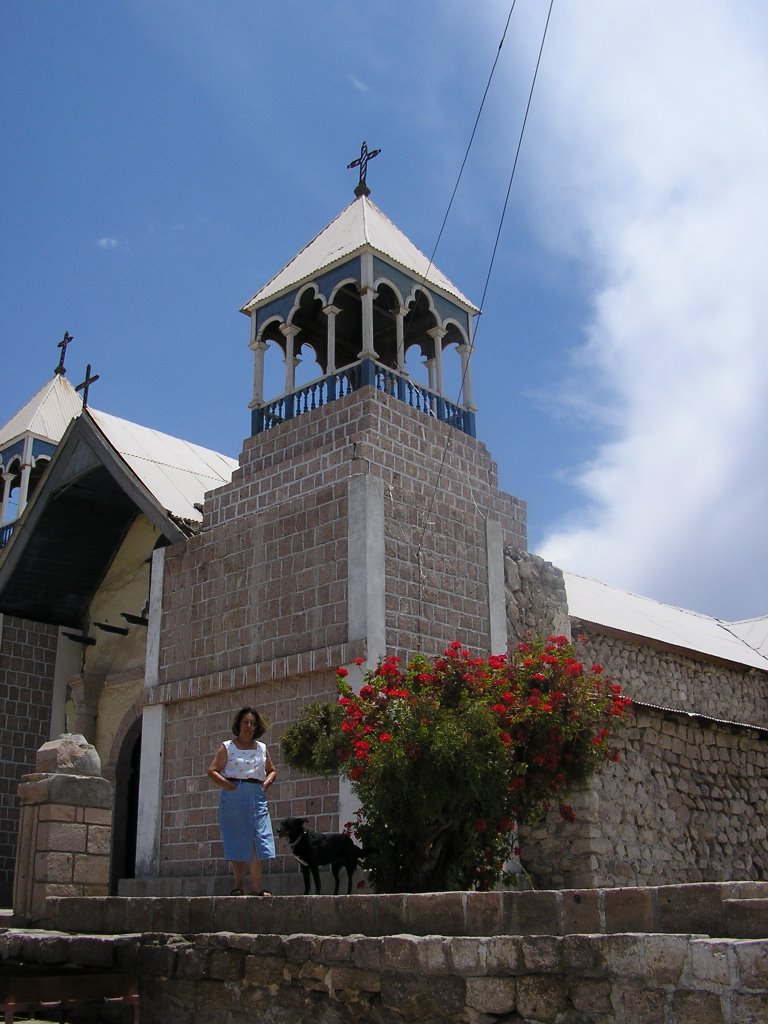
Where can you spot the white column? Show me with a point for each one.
(152, 736)
(366, 587)
(367, 295)
(497, 599)
(26, 470)
(5, 482)
(150, 791)
(437, 334)
(431, 376)
(289, 332)
(400, 314)
(331, 312)
(466, 376)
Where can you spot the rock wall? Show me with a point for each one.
(685, 803)
(536, 598)
(673, 679)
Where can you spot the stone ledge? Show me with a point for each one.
(698, 908)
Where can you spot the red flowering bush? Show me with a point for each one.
(447, 756)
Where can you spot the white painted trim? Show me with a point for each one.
(68, 663)
(497, 600)
(152, 669)
(150, 792)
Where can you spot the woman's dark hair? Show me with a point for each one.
(261, 723)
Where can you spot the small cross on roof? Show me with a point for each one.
(362, 162)
(63, 346)
(85, 385)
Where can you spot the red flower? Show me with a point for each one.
(357, 773)
(566, 812)
(386, 737)
(359, 661)
(366, 692)
(342, 672)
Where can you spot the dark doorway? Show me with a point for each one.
(126, 815)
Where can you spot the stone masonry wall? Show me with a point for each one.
(685, 803)
(235, 978)
(673, 679)
(536, 597)
(27, 661)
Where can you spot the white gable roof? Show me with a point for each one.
(745, 643)
(177, 473)
(359, 226)
(47, 414)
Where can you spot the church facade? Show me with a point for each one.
(363, 518)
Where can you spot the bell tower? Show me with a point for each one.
(364, 519)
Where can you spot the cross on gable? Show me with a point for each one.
(63, 346)
(86, 384)
(362, 162)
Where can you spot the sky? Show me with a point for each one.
(162, 159)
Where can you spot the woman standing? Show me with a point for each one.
(243, 769)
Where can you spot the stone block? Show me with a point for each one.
(691, 908)
(483, 913)
(531, 913)
(468, 955)
(352, 980)
(193, 963)
(62, 836)
(542, 998)
(417, 998)
(356, 915)
(435, 913)
(227, 964)
(399, 953)
(90, 870)
(542, 954)
(707, 964)
(590, 996)
(390, 914)
(751, 961)
(580, 911)
(580, 952)
(746, 1008)
(54, 867)
(492, 995)
(697, 1008)
(265, 970)
(323, 919)
(296, 948)
(643, 1005)
(746, 918)
(99, 840)
(628, 910)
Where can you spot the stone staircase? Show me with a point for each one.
(715, 909)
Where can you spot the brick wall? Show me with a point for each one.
(27, 660)
(255, 609)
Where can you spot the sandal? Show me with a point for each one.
(264, 892)
(237, 892)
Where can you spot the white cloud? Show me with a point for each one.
(107, 243)
(654, 170)
(358, 84)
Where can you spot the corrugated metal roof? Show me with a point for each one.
(604, 605)
(176, 472)
(359, 225)
(47, 414)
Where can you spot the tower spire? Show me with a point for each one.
(362, 162)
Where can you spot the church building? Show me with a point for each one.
(150, 587)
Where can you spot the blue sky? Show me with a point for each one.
(162, 160)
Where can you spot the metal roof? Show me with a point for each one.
(176, 472)
(47, 414)
(745, 643)
(359, 226)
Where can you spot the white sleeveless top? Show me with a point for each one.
(245, 764)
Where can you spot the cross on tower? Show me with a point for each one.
(362, 162)
(86, 384)
(63, 346)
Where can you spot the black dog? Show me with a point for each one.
(313, 849)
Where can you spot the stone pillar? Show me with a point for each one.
(65, 832)
(331, 312)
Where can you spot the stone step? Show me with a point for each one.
(746, 918)
(691, 909)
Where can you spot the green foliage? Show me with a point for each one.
(448, 756)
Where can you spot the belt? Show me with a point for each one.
(237, 782)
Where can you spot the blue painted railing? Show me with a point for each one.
(366, 373)
(5, 534)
